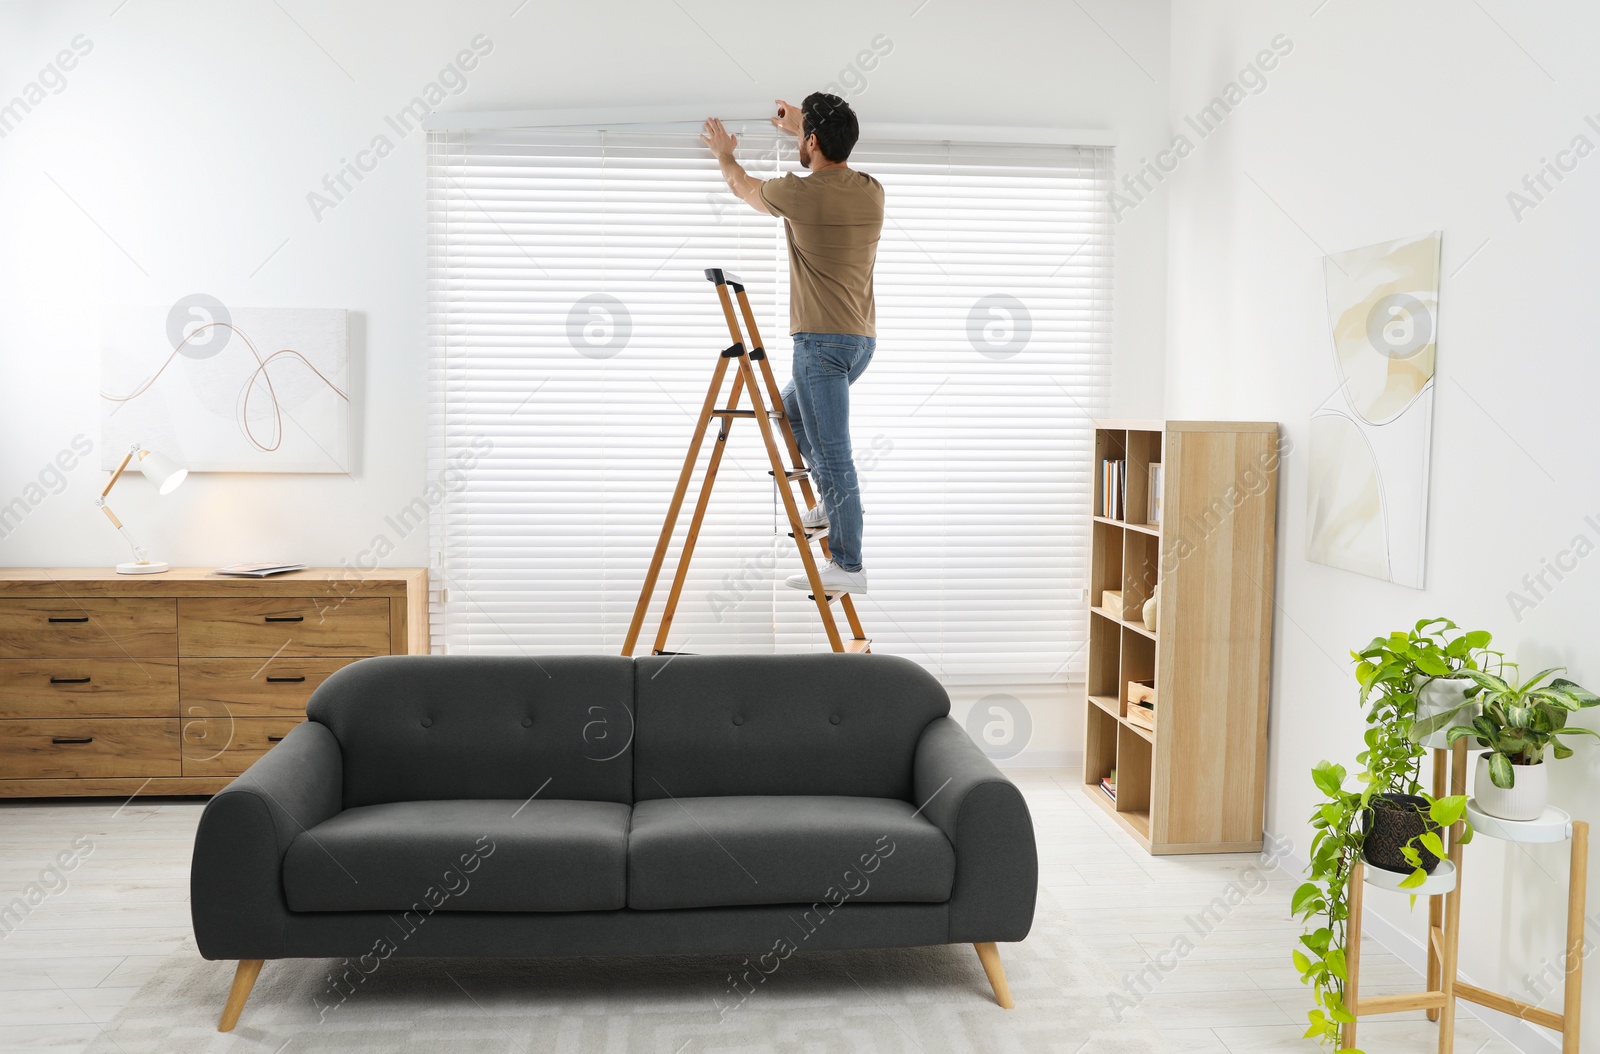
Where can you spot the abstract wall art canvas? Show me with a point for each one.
(227, 390)
(1367, 480)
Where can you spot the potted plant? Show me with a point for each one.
(1518, 722)
(1389, 819)
(1402, 677)
(1422, 673)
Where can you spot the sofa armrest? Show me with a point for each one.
(236, 894)
(987, 821)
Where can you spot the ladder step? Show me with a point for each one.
(831, 596)
(858, 646)
(792, 474)
(672, 653)
(811, 536)
(744, 413)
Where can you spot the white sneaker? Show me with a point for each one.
(834, 580)
(814, 518)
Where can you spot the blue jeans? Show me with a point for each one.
(817, 402)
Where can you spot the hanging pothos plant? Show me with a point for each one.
(1388, 671)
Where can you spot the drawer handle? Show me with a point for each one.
(274, 739)
(69, 680)
(69, 618)
(284, 618)
(286, 680)
(65, 740)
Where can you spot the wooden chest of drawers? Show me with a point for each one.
(174, 683)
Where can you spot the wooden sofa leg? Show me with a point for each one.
(989, 955)
(244, 979)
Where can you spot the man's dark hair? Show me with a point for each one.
(831, 120)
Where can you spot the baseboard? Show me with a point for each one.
(1530, 1039)
(1043, 759)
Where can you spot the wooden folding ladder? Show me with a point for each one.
(744, 381)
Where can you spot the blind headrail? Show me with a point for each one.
(679, 117)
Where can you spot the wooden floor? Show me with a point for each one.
(85, 950)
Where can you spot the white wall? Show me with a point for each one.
(179, 155)
(1388, 120)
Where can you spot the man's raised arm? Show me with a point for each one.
(721, 143)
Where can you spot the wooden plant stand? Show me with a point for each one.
(1443, 890)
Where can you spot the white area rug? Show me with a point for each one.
(916, 1001)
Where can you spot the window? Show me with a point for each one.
(572, 338)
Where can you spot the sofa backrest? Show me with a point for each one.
(820, 724)
(432, 727)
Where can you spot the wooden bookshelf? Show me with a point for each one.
(1197, 782)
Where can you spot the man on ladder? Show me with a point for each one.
(832, 218)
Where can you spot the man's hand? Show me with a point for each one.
(788, 119)
(721, 143)
(718, 139)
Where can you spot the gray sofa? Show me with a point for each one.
(560, 806)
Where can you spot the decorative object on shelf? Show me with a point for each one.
(1142, 704)
(1120, 604)
(1203, 682)
(229, 390)
(167, 477)
(1388, 671)
(1367, 484)
(1516, 724)
(1151, 609)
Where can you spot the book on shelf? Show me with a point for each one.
(257, 570)
(1109, 785)
(1155, 494)
(1113, 488)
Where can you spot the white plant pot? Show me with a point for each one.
(1524, 800)
(1441, 695)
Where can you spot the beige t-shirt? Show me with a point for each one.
(833, 219)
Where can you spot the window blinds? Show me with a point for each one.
(572, 337)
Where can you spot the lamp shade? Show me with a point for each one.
(161, 471)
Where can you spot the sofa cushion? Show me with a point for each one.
(420, 727)
(718, 852)
(780, 724)
(478, 855)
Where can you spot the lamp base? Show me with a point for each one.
(142, 567)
